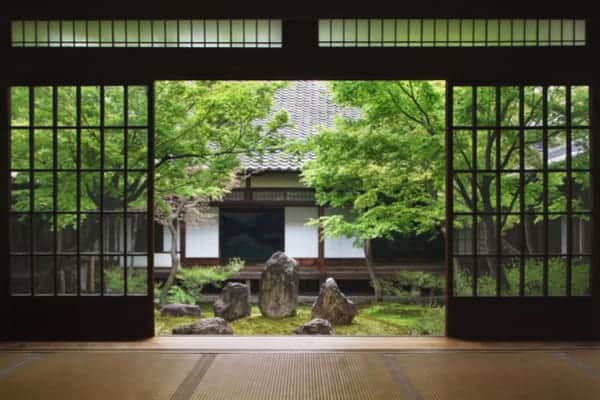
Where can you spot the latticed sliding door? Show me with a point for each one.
(520, 212)
(81, 185)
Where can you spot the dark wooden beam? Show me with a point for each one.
(296, 10)
(594, 35)
(139, 65)
(595, 188)
(182, 243)
(248, 189)
(4, 188)
(321, 242)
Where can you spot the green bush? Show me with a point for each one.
(137, 280)
(179, 295)
(191, 281)
(407, 283)
(533, 284)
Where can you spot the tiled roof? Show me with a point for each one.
(310, 106)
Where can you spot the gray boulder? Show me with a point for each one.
(279, 283)
(180, 310)
(233, 302)
(333, 305)
(206, 326)
(317, 326)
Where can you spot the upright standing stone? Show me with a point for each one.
(233, 302)
(333, 305)
(279, 283)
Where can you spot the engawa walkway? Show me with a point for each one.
(299, 368)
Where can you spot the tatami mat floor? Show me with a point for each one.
(122, 371)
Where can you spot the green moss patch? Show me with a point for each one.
(377, 319)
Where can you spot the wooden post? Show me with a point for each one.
(321, 261)
(249, 284)
(248, 189)
(62, 285)
(182, 245)
(92, 277)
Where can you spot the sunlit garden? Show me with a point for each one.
(380, 319)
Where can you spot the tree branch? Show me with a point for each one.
(463, 191)
(406, 114)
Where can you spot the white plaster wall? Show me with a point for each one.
(301, 240)
(275, 180)
(160, 260)
(341, 247)
(202, 240)
(167, 241)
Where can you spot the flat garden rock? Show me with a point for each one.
(317, 326)
(333, 305)
(233, 302)
(278, 297)
(180, 310)
(206, 326)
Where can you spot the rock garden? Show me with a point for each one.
(279, 312)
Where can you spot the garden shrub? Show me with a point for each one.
(533, 285)
(178, 294)
(408, 283)
(137, 283)
(191, 281)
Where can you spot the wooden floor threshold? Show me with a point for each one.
(222, 344)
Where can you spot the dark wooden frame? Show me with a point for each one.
(84, 307)
(529, 308)
(249, 202)
(297, 59)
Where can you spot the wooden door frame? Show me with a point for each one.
(297, 60)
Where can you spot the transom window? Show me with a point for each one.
(451, 32)
(148, 33)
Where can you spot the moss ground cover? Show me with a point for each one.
(377, 319)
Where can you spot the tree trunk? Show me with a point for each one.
(92, 274)
(62, 286)
(528, 234)
(133, 245)
(175, 262)
(369, 259)
(489, 242)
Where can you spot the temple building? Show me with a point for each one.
(271, 209)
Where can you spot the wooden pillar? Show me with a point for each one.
(321, 260)
(595, 189)
(182, 244)
(4, 181)
(249, 284)
(248, 189)
(593, 33)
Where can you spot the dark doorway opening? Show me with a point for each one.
(251, 234)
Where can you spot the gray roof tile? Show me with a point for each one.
(310, 106)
